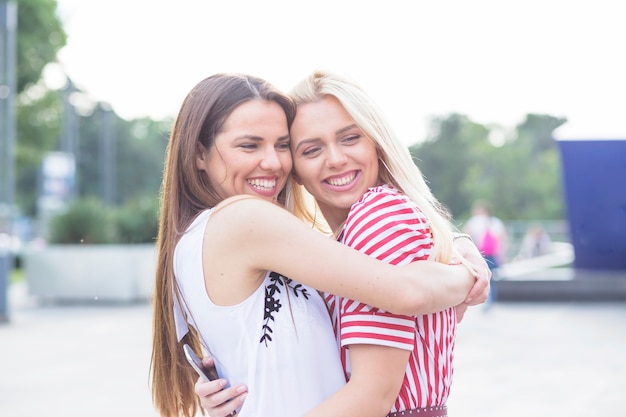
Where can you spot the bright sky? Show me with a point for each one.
(492, 60)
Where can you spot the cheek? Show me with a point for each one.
(302, 171)
(286, 161)
(374, 161)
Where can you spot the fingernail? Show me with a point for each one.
(241, 388)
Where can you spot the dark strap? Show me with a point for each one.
(436, 411)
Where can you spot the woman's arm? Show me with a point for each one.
(273, 239)
(382, 345)
(466, 247)
(377, 375)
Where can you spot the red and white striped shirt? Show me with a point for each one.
(387, 225)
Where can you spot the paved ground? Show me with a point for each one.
(541, 360)
(518, 359)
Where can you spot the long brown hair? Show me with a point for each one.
(185, 192)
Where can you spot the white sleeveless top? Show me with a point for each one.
(279, 341)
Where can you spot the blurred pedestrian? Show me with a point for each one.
(536, 242)
(489, 234)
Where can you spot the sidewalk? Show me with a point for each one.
(542, 360)
(75, 360)
(517, 359)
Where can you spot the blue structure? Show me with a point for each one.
(594, 176)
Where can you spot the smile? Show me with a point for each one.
(263, 185)
(345, 180)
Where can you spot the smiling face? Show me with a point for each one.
(333, 158)
(251, 152)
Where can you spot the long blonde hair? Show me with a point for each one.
(185, 192)
(396, 167)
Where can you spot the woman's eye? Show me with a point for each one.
(311, 151)
(351, 138)
(248, 145)
(283, 146)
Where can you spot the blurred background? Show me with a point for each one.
(479, 92)
(517, 104)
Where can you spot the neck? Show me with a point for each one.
(335, 218)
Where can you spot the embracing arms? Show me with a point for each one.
(273, 239)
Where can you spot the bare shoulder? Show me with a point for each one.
(247, 214)
(246, 205)
(239, 201)
(233, 239)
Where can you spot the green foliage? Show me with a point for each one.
(38, 126)
(139, 151)
(139, 145)
(520, 177)
(87, 220)
(137, 221)
(444, 158)
(40, 36)
(84, 221)
(16, 275)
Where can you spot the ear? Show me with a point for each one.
(200, 157)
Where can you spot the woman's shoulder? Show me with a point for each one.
(245, 214)
(238, 200)
(389, 200)
(241, 205)
(382, 194)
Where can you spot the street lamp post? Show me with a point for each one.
(8, 28)
(107, 155)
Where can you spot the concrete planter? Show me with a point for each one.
(91, 272)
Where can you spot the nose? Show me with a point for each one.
(270, 160)
(336, 157)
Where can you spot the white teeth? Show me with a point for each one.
(264, 185)
(342, 181)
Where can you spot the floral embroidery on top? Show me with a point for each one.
(273, 304)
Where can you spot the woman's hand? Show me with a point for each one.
(460, 311)
(466, 248)
(217, 400)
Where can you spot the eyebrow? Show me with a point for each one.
(352, 126)
(337, 132)
(259, 138)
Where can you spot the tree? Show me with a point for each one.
(40, 36)
(537, 129)
(139, 147)
(38, 118)
(520, 177)
(141, 156)
(454, 145)
(539, 193)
